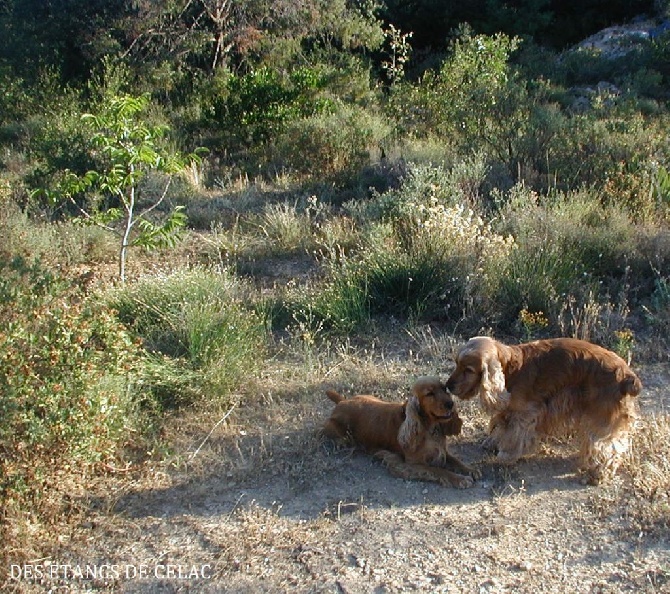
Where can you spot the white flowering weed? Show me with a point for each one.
(458, 230)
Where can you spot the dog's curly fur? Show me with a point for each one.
(548, 387)
(410, 437)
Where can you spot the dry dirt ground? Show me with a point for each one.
(262, 504)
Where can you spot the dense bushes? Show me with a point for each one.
(66, 369)
(566, 259)
(334, 144)
(81, 394)
(421, 255)
(475, 99)
(78, 388)
(257, 107)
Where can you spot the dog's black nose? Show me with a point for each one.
(450, 404)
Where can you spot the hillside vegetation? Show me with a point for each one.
(191, 191)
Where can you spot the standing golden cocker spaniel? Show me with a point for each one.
(410, 438)
(547, 387)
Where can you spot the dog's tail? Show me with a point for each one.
(334, 396)
(630, 385)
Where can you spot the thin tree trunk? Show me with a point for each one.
(125, 240)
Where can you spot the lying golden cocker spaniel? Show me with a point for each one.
(548, 387)
(409, 438)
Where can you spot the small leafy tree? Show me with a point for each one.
(128, 149)
(476, 101)
(399, 52)
(472, 84)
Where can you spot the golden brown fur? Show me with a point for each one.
(550, 386)
(410, 437)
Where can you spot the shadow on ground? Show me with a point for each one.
(304, 477)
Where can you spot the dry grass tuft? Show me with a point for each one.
(639, 501)
(649, 467)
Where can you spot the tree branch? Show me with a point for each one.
(90, 218)
(157, 204)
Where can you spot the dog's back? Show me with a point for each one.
(567, 362)
(370, 422)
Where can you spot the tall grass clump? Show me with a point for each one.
(67, 370)
(283, 229)
(603, 236)
(286, 227)
(543, 271)
(64, 243)
(658, 310)
(573, 252)
(649, 467)
(203, 334)
(447, 259)
(539, 278)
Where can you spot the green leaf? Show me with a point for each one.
(167, 234)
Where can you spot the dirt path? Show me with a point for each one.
(268, 507)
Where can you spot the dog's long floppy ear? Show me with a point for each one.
(493, 393)
(411, 426)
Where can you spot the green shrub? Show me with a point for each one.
(335, 143)
(425, 185)
(256, 107)
(615, 151)
(196, 321)
(383, 278)
(588, 66)
(66, 367)
(570, 246)
(54, 134)
(475, 102)
(602, 239)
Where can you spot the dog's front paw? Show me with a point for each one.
(459, 481)
(475, 473)
(465, 482)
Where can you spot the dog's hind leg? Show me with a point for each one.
(515, 434)
(422, 472)
(600, 458)
(602, 451)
